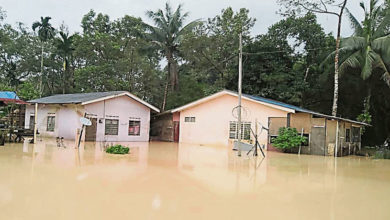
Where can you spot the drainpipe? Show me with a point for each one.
(35, 123)
(337, 138)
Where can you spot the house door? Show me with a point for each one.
(90, 131)
(317, 141)
(176, 131)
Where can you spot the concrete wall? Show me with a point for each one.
(67, 118)
(122, 108)
(212, 120)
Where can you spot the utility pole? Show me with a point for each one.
(239, 95)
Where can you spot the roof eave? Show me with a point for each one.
(224, 92)
(123, 94)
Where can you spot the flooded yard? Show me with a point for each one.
(180, 181)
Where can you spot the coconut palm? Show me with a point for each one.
(167, 35)
(45, 33)
(369, 47)
(64, 48)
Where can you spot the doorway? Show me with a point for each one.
(176, 131)
(317, 141)
(90, 131)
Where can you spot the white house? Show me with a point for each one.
(115, 116)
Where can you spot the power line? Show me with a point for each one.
(283, 51)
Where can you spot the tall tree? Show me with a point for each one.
(64, 48)
(368, 48)
(322, 7)
(167, 34)
(45, 33)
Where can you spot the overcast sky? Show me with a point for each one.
(71, 11)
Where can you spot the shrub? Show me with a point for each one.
(382, 154)
(288, 138)
(117, 149)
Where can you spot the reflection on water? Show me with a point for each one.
(179, 181)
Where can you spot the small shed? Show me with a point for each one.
(12, 110)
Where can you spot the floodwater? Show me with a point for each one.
(180, 181)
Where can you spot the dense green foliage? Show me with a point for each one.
(128, 53)
(288, 138)
(117, 149)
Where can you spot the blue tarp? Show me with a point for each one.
(8, 95)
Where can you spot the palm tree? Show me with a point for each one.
(368, 48)
(45, 33)
(64, 47)
(167, 35)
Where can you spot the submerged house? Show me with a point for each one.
(212, 120)
(115, 116)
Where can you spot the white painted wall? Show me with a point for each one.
(67, 119)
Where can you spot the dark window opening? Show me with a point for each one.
(189, 119)
(51, 123)
(111, 127)
(305, 143)
(347, 135)
(355, 134)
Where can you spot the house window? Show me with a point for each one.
(111, 127)
(245, 130)
(355, 134)
(305, 143)
(51, 123)
(348, 135)
(32, 122)
(271, 138)
(134, 127)
(189, 119)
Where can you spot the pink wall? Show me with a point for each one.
(176, 116)
(67, 118)
(212, 120)
(122, 108)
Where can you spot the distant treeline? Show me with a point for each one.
(170, 61)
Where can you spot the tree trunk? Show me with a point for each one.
(64, 78)
(41, 76)
(165, 97)
(172, 71)
(336, 62)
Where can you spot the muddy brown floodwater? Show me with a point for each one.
(180, 181)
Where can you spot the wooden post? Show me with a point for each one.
(35, 123)
(300, 146)
(337, 138)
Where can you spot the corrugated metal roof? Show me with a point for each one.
(298, 109)
(74, 98)
(267, 101)
(8, 95)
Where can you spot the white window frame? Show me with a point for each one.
(53, 127)
(245, 130)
